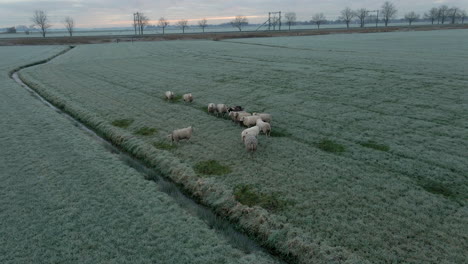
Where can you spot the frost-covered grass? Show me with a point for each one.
(65, 199)
(123, 123)
(211, 167)
(400, 197)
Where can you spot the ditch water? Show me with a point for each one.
(220, 225)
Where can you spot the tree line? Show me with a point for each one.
(386, 14)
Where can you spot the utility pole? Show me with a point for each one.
(134, 23)
(269, 21)
(377, 20)
(279, 28)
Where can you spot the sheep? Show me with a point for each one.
(250, 131)
(235, 116)
(221, 108)
(264, 116)
(169, 95)
(249, 121)
(239, 115)
(178, 134)
(188, 97)
(211, 108)
(264, 126)
(251, 143)
(236, 108)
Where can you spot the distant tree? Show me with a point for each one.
(239, 22)
(183, 23)
(163, 23)
(41, 20)
(361, 14)
(274, 21)
(453, 14)
(290, 19)
(143, 21)
(411, 17)
(11, 30)
(347, 15)
(203, 24)
(432, 14)
(389, 11)
(318, 19)
(28, 30)
(443, 11)
(69, 25)
(462, 16)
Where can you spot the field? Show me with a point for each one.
(66, 199)
(190, 29)
(367, 162)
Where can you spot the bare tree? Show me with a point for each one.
(432, 14)
(41, 20)
(69, 25)
(274, 21)
(462, 16)
(443, 11)
(361, 14)
(143, 21)
(290, 19)
(318, 19)
(347, 15)
(11, 30)
(140, 21)
(411, 17)
(453, 14)
(239, 22)
(203, 24)
(183, 23)
(163, 23)
(389, 11)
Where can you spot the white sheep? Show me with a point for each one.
(236, 115)
(249, 121)
(211, 108)
(183, 133)
(169, 95)
(264, 126)
(188, 97)
(264, 116)
(255, 130)
(221, 108)
(251, 143)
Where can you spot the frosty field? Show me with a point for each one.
(65, 199)
(368, 162)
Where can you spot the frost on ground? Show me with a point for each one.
(65, 199)
(371, 156)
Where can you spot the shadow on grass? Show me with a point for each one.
(437, 188)
(176, 99)
(164, 145)
(211, 167)
(146, 131)
(248, 195)
(330, 146)
(374, 145)
(122, 123)
(279, 132)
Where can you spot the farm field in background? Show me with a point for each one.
(368, 155)
(65, 199)
(189, 30)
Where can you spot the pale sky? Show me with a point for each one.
(118, 13)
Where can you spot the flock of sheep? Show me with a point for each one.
(255, 122)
